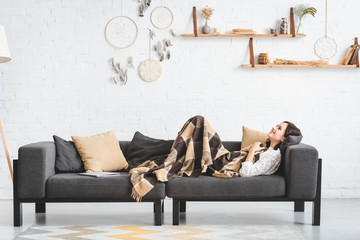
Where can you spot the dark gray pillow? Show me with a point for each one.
(67, 157)
(290, 140)
(143, 148)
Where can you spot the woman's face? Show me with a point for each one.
(278, 133)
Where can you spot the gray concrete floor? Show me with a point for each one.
(340, 218)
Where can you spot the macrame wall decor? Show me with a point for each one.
(150, 69)
(325, 47)
(121, 32)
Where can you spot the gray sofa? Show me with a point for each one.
(35, 181)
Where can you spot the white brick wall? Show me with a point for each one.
(58, 81)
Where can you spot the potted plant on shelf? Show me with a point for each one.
(301, 11)
(206, 14)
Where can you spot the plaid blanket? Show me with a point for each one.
(196, 150)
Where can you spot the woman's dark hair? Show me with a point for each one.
(291, 129)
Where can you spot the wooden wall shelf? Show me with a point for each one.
(251, 47)
(295, 66)
(245, 35)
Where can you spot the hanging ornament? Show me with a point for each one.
(121, 73)
(150, 69)
(325, 47)
(121, 32)
(162, 18)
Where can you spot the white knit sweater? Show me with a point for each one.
(268, 163)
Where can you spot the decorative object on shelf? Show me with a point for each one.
(301, 11)
(150, 69)
(319, 63)
(284, 26)
(272, 30)
(5, 57)
(325, 47)
(121, 32)
(161, 17)
(243, 31)
(206, 14)
(263, 58)
(216, 30)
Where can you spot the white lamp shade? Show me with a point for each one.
(4, 48)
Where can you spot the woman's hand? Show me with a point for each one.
(255, 147)
(245, 149)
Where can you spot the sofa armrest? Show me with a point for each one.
(36, 163)
(301, 171)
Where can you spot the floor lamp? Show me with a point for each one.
(4, 57)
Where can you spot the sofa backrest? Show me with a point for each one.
(229, 145)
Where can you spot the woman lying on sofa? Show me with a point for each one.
(198, 150)
(269, 160)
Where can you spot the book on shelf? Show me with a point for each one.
(348, 54)
(253, 32)
(103, 174)
(354, 56)
(243, 31)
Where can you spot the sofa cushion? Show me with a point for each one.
(100, 152)
(72, 185)
(250, 136)
(67, 157)
(213, 188)
(143, 148)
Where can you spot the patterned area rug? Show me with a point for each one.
(217, 232)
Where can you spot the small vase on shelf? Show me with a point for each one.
(300, 28)
(206, 29)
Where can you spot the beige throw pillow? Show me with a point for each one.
(100, 152)
(250, 136)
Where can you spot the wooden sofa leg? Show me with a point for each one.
(157, 205)
(182, 206)
(317, 201)
(176, 212)
(40, 207)
(299, 206)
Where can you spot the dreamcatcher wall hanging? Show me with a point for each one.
(325, 47)
(121, 32)
(162, 19)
